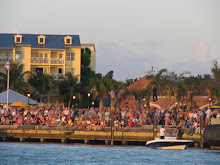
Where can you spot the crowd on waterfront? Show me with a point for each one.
(96, 119)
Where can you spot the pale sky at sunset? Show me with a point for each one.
(130, 36)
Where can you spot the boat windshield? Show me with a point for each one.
(170, 132)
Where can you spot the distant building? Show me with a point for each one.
(50, 54)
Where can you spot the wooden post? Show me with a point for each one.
(41, 140)
(155, 125)
(107, 142)
(112, 131)
(22, 139)
(87, 141)
(201, 130)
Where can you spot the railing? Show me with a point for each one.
(46, 60)
(39, 60)
(56, 61)
(4, 60)
(57, 76)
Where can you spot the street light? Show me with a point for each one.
(89, 94)
(74, 97)
(28, 95)
(88, 99)
(93, 103)
(144, 103)
(210, 100)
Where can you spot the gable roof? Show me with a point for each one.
(15, 97)
(139, 84)
(52, 41)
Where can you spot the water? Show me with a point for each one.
(47, 153)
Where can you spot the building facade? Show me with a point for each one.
(55, 55)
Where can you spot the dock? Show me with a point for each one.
(134, 136)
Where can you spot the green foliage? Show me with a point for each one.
(16, 78)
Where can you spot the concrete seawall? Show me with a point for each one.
(134, 136)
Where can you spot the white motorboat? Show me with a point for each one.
(170, 142)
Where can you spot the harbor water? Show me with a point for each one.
(51, 153)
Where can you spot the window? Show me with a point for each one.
(70, 70)
(19, 55)
(70, 56)
(41, 39)
(60, 71)
(60, 56)
(45, 70)
(18, 39)
(68, 40)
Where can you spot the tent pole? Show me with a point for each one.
(7, 90)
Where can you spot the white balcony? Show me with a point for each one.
(57, 76)
(56, 61)
(5, 59)
(39, 60)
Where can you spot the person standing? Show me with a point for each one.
(162, 132)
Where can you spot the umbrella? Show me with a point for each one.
(216, 105)
(20, 104)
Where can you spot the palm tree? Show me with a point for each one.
(16, 78)
(158, 82)
(42, 84)
(68, 88)
(101, 87)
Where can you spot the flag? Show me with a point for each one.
(7, 65)
(112, 94)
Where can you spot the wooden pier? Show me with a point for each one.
(134, 136)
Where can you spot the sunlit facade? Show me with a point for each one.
(50, 54)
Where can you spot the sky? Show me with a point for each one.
(130, 36)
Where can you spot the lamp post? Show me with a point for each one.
(191, 93)
(88, 99)
(210, 100)
(93, 103)
(74, 97)
(28, 95)
(144, 103)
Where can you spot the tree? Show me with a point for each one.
(43, 85)
(68, 87)
(157, 81)
(16, 78)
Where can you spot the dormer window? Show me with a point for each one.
(68, 40)
(41, 39)
(18, 39)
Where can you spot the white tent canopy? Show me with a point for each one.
(15, 97)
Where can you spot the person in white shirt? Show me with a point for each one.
(162, 132)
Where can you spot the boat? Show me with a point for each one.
(170, 142)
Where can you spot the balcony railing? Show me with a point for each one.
(57, 76)
(39, 60)
(4, 60)
(46, 60)
(56, 61)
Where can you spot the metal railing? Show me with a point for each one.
(39, 60)
(56, 61)
(5, 59)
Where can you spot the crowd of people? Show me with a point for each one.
(96, 119)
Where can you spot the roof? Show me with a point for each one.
(139, 84)
(52, 41)
(15, 97)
